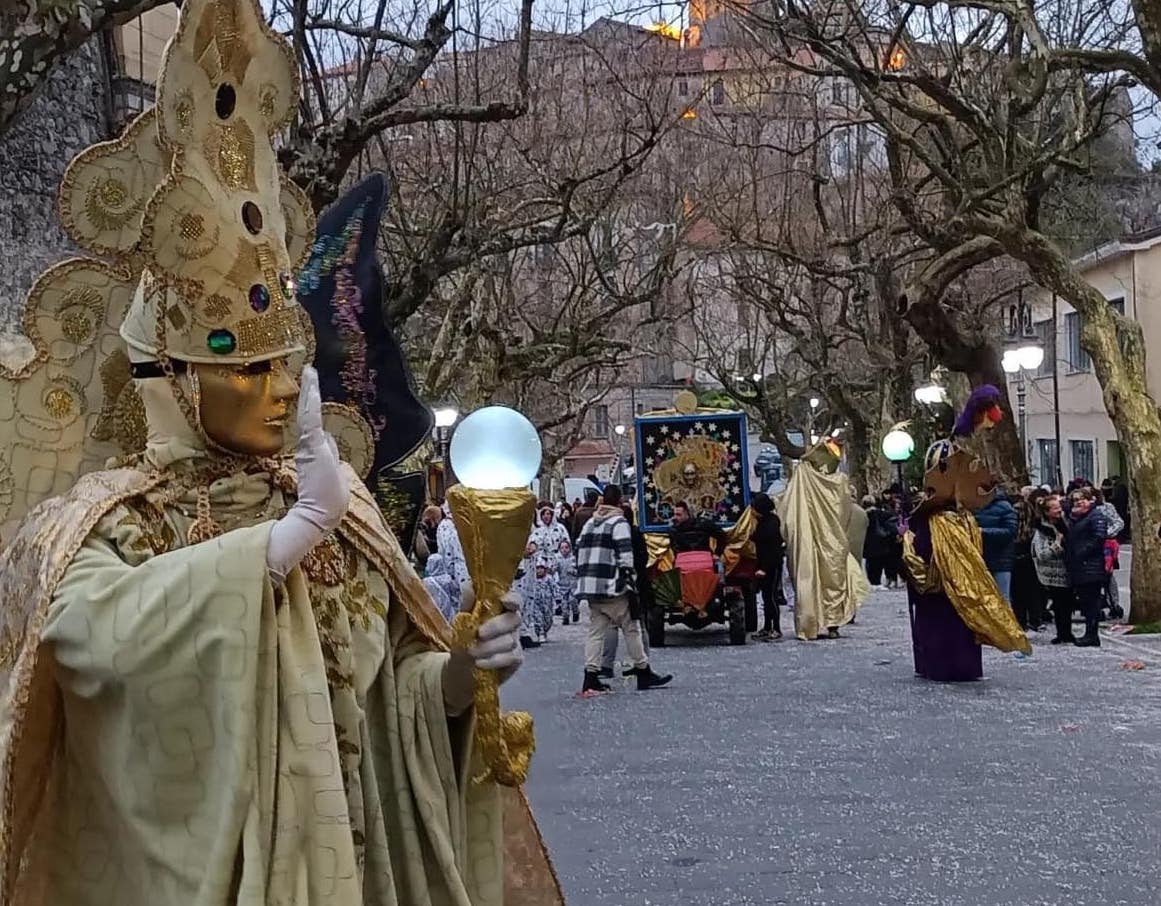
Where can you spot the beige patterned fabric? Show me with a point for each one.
(198, 708)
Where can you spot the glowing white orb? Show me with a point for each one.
(495, 447)
(898, 446)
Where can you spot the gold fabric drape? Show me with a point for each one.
(829, 583)
(957, 568)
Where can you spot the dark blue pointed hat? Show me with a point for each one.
(359, 360)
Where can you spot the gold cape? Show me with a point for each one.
(957, 569)
(31, 568)
(829, 583)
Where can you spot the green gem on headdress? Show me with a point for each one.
(221, 342)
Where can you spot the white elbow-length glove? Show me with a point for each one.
(497, 648)
(323, 491)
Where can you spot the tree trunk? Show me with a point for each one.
(1117, 349)
(31, 43)
(859, 455)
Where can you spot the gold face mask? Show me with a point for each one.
(245, 408)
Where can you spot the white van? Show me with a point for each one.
(574, 489)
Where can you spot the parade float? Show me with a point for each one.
(696, 456)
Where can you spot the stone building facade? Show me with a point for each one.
(89, 97)
(71, 112)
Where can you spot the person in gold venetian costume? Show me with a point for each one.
(224, 685)
(816, 512)
(955, 603)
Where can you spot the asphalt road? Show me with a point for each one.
(826, 774)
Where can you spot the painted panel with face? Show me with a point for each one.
(245, 408)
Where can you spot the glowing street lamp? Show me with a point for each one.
(1030, 357)
(445, 419)
(930, 394)
(1023, 354)
(898, 446)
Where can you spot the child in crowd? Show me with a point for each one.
(543, 597)
(444, 590)
(525, 586)
(568, 606)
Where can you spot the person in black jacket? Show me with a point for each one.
(881, 547)
(690, 533)
(1084, 559)
(771, 554)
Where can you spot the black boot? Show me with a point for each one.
(593, 683)
(647, 679)
(605, 673)
(526, 642)
(1088, 640)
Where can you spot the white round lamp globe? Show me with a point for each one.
(495, 447)
(898, 446)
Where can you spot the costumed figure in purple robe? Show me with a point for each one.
(955, 603)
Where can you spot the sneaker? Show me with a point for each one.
(763, 635)
(833, 633)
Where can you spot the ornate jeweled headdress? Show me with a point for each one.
(196, 236)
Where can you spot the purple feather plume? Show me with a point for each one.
(983, 398)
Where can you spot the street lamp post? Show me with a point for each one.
(445, 419)
(898, 446)
(620, 431)
(1023, 354)
(815, 402)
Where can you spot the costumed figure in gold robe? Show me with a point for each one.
(815, 509)
(223, 684)
(955, 603)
